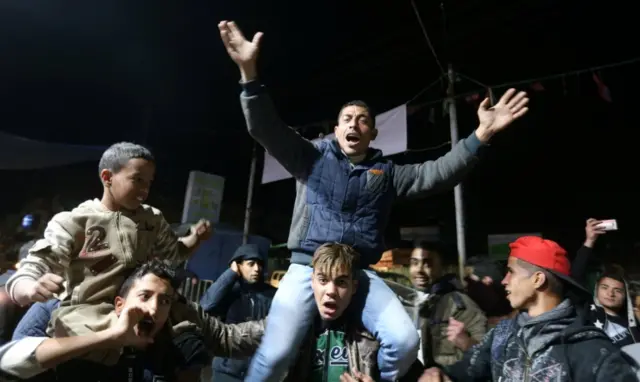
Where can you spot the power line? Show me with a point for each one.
(536, 79)
(426, 36)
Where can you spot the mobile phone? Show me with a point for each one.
(608, 225)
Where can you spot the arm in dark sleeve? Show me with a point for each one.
(580, 263)
(617, 367)
(216, 299)
(478, 370)
(295, 153)
(438, 175)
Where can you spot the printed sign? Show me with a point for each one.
(203, 199)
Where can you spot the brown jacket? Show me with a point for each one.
(433, 323)
(91, 247)
(361, 346)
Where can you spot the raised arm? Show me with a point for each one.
(295, 153)
(31, 356)
(219, 296)
(449, 170)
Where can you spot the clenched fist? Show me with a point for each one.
(27, 291)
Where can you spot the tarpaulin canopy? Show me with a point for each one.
(18, 153)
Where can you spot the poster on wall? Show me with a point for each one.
(203, 199)
(499, 244)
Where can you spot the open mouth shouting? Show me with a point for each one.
(353, 139)
(146, 326)
(329, 309)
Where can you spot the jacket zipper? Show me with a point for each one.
(527, 361)
(527, 366)
(127, 256)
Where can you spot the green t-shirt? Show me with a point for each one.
(331, 359)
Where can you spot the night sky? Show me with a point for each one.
(155, 72)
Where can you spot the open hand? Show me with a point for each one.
(242, 51)
(510, 107)
(125, 330)
(457, 334)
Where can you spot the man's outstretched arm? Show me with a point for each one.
(449, 170)
(295, 153)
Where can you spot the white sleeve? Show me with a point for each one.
(18, 358)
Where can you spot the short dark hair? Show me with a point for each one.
(553, 283)
(612, 273)
(155, 267)
(363, 105)
(119, 154)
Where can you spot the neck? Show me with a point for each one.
(108, 202)
(355, 158)
(609, 311)
(544, 303)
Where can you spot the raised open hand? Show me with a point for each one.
(510, 107)
(126, 330)
(242, 51)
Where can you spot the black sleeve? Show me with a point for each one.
(580, 264)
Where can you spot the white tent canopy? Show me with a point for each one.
(18, 153)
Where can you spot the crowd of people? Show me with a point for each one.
(101, 284)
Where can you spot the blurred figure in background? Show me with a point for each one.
(484, 277)
(238, 295)
(449, 322)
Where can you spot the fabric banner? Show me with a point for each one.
(392, 139)
(18, 153)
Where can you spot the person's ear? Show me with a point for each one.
(539, 279)
(374, 134)
(105, 177)
(355, 287)
(119, 304)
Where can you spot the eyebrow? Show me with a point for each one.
(341, 277)
(150, 291)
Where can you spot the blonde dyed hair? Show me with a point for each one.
(333, 259)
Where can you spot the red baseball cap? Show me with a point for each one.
(546, 254)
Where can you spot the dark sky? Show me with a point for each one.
(98, 72)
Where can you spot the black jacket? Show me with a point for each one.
(596, 315)
(234, 301)
(555, 346)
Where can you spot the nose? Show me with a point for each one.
(152, 307)
(331, 289)
(505, 280)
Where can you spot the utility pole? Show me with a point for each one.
(252, 177)
(457, 191)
